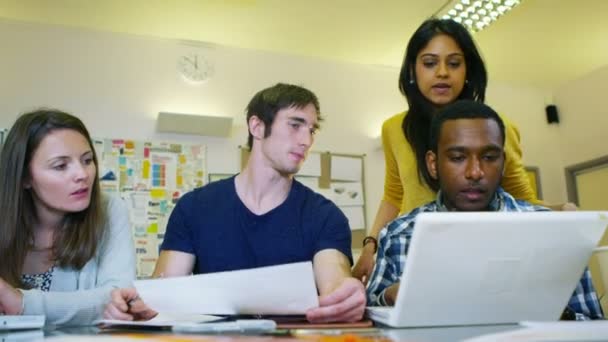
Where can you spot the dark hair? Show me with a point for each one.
(80, 233)
(267, 102)
(461, 109)
(416, 124)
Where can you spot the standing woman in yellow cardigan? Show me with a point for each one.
(441, 65)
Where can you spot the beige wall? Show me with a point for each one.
(583, 126)
(117, 84)
(583, 117)
(525, 107)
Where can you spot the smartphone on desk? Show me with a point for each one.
(240, 326)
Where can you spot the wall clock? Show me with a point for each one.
(194, 67)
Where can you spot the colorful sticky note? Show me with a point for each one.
(153, 228)
(146, 169)
(157, 193)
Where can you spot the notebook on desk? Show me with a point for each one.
(21, 322)
(492, 267)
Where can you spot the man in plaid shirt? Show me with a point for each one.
(466, 161)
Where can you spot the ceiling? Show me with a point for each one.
(541, 42)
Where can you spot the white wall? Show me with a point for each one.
(118, 83)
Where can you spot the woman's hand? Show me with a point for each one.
(365, 265)
(11, 299)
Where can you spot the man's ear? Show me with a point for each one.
(431, 163)
(256, 127)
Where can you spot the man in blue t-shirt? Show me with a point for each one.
(262, 216)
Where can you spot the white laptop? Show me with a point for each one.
(492, 267)
(21, 322)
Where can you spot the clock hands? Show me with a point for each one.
(194, 67)
(192, 61)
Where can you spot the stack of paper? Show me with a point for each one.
(276, 290)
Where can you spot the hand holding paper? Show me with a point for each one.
(344, 304)
(125, 305)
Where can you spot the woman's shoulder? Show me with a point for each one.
(116, 210)
(395, 120)
(112, 202)
(511, 130)
(392, 125)
(505, 119)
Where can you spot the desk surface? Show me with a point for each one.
(363, 335)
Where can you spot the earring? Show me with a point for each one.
(466, 81)
(412, 81)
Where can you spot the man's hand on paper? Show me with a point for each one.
(345, 304)
(126, 305)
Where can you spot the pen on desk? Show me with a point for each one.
(131, 301)
(336, 332)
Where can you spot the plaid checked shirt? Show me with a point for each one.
(394, 242)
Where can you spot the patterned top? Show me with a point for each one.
(41, 281)
(394, 242)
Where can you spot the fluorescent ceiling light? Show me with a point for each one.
(476, 14)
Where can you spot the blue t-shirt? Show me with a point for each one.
(213, 224)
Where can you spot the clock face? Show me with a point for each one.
(194, 67)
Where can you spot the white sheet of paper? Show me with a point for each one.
(311, 182)
(162, 320)
(327, 193)
(311, 166)
(346, 168)
(355, 216)
(275, 290)
(138, 203)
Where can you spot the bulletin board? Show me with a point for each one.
(342, 181)
(340, 178)
(150, 177)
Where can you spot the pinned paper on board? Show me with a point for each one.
(346, 168)
(150, 177)
(355, 216)
(310, 182)
(311, 166)
(347, 193)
